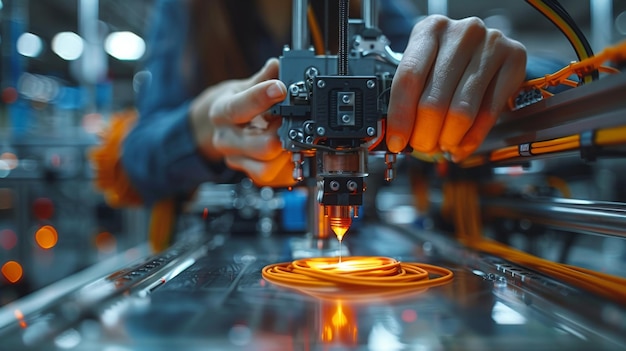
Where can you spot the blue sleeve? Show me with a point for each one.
(396, 20)
(159, 154)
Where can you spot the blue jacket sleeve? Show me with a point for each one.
(159, 154)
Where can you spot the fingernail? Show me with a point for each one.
(395, 144)
(275, 91)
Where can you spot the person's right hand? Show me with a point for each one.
(231, 122)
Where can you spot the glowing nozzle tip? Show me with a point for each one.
(340, 225)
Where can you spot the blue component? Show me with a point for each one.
(295, 209)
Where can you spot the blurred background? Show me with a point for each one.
(66, 66)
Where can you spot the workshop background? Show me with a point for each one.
(67, 66)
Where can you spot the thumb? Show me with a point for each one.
(268, 71)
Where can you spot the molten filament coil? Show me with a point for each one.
(355, 273)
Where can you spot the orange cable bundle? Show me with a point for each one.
(111, 179)
(463, 196)
(357, 276)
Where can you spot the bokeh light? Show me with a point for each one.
(125, 45)
(10, 159)
(105, 242)
(68, 45)
(46, 237)
(409, 315)
(93, 123)
(43, 208)
(8, 239)
(29, 45)
(12, 271)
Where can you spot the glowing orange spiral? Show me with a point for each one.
(355, 274)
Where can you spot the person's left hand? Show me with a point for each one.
(230, 122)
(453, 81)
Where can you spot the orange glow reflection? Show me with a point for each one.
(338, 323)
(46, 237)
(105, 242)
(12, 271)
(20, 318)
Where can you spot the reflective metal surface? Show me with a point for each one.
(211, 296)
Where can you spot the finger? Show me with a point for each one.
(469, 94)
(451, 63)
(408, 84)
(258, 144)
(242, 107)
(504, 85)
(267, 72)
(279, 172)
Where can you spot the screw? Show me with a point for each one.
(321, 131)
(352, 185)
(293, 89)
(345, 99)
(293, 134)
(371, 84)
(312, 72)
(334, 185)
(321, 84)
(308, 128)
(345, 118)
(371, 131)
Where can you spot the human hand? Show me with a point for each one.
(231, 122)
(453, 81)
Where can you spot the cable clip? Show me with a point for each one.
(588, 149)
(524, 150)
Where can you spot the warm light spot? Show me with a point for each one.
(12, 271)
(339, 319)
(46, 237)
(8, 239)
(262, 282)
(205, 213)
(9, 95)
(43, 208)
(10, 159)
(20, 318)
(105, 242)
(409, 316)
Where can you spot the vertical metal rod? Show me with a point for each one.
(369, 13)
(342, 61)
(299, 25)
(601, 23)
(438, 7)
(92, 62)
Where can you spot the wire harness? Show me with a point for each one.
(461, 203)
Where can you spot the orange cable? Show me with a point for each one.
(556, 148)
(316, 33)
(556, 141)
(464, 198)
